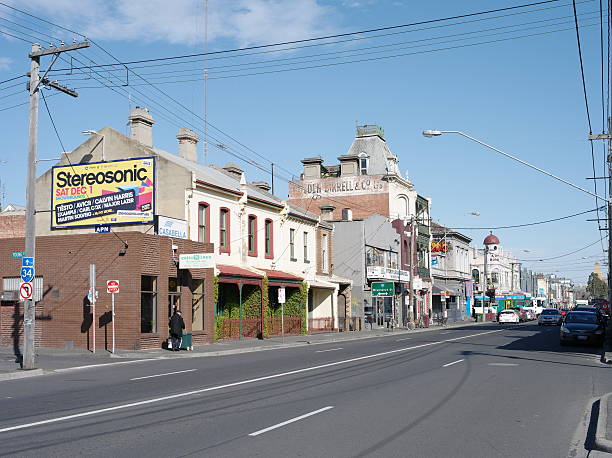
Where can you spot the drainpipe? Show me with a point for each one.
(240, 305)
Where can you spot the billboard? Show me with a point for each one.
(103, 193)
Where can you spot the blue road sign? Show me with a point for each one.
(27, 262)
(102, 229)
(27, 274)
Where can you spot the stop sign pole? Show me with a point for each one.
(112, 287)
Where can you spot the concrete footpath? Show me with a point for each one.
(51, 361)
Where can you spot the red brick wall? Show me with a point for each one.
(63, 314)
(361, 205)
(12, 226)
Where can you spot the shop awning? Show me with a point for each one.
(278, 276)
(318, 283)
(439, 289)
(237, 273)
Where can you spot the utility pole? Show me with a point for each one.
(411, 308)
(29, 312)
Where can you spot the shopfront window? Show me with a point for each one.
(197, 305)
(375, 257)
(174, 295)
(148, 304)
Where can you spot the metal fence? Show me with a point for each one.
(292, 325)
(230, 329)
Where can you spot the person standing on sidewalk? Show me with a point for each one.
(176, 329)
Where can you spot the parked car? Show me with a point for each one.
(582, 327)
(521, 313)
(549, 316)
(530, 315)
(508, 316)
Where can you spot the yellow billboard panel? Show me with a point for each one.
(103, 193)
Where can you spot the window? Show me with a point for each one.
(363, 164)
(392, 260)
(224, 230)
(324, 258)
(197, 305)
(375, 257)
(174, 295)
(269, 236)
(292, 244)
(252, 235)
(148, 304)
(306, 247)
(494, 277)
(203, 223)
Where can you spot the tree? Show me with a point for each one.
(596, 287)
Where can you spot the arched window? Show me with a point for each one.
(402, 206)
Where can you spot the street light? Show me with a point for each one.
(94, 132)
(437, 133)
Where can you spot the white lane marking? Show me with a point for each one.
(161, 375)
(331, 349)
(405, 338)
(118, 363)
(454, 362)
(233, 384)
(445, 332)
(503, 364)
(293, 420)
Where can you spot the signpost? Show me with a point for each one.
(112, 287)
(281, 301)
(18, 254)
(383, 289)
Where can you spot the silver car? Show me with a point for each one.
(550, 316)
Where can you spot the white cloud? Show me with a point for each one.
(5, 63)
(246, 22)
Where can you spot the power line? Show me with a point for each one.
(306, 40)
(562, 255)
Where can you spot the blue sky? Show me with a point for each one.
(522, 95)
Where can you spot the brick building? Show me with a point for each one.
(12, 221)
(143, 264)
(367, 181)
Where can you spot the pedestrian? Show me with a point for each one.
(176, 329)
(445, 316)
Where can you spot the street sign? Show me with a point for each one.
(90, 296)
(27, 274)
(281, 295)
(27, 262)
(112, 286)
(25, 291)
(18, 254)
(102, 229)
(383, 289)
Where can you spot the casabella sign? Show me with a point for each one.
(172, 227)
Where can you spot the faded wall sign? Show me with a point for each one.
(328, 187)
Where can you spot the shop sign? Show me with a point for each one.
(172, 227)
(440, 247)
(340, 186)
(103, 193)
(197, 261)
(417, 283)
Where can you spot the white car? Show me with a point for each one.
(508, 316)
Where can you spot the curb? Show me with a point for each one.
(601, 443)
(23, 374)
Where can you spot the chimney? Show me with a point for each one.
(141, 126)
(263, 185)
(327, 212)
(233, 169)
(312, 167)
(347, 214)
(188, 144)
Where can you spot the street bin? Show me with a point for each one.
(186, 343)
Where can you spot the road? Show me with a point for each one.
(475, 391)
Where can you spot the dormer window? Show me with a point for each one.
(363, 164)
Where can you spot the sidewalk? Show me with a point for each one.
(56, 360)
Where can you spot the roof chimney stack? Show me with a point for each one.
(188, 144)
(327, 212)
(141, 126)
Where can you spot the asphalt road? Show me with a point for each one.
(476, 391)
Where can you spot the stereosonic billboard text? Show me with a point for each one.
(103, 193)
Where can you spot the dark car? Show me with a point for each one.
(590, 309)
(582, 327)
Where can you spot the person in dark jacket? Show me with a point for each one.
(176, 329)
